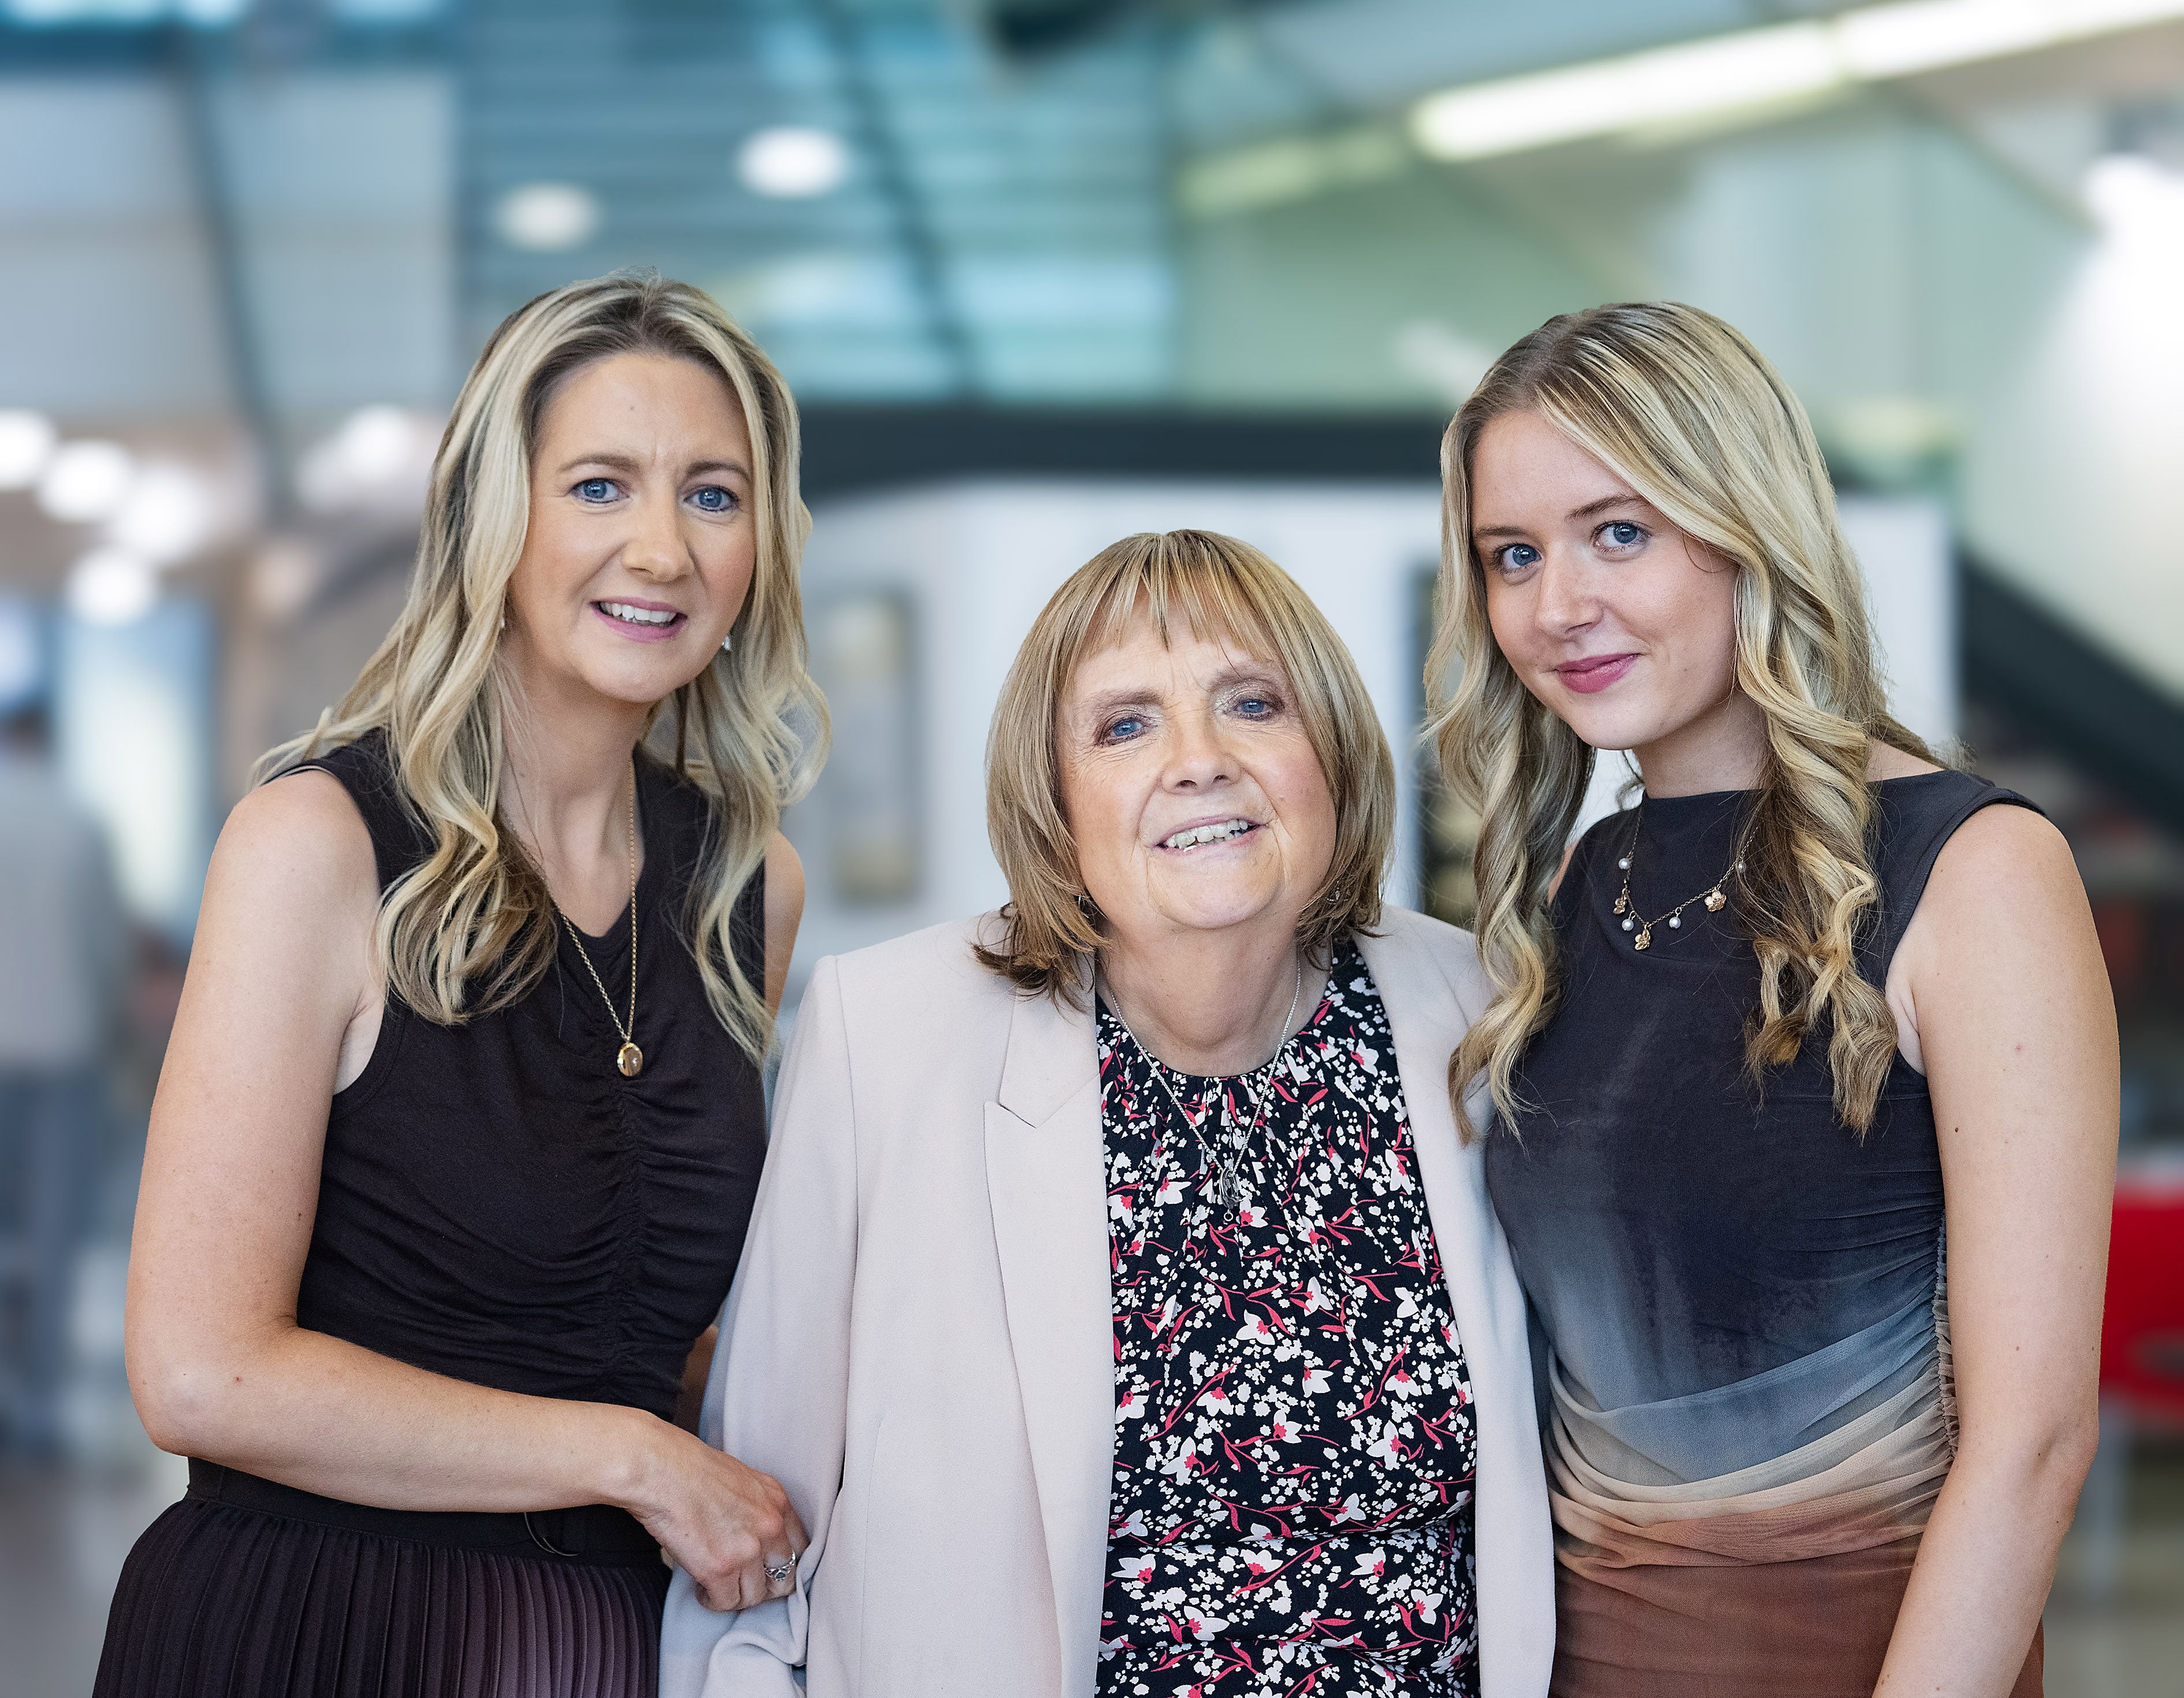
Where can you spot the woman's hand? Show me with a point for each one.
(723, 1524)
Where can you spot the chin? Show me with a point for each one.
(1609, 725)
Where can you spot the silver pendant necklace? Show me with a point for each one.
(1227, 1165)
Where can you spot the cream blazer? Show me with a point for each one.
(918, 1343)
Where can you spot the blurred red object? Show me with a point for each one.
(2142, 1328)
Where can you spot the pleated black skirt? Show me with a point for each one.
(249, 1590)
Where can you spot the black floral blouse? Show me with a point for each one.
(1294, 1453)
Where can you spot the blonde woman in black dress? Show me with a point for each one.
(1804, 1068)
(461, 1121)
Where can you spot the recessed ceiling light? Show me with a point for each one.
(26, 444)
(793, 162)
(547, 217)
(166, 514)
(111, 586)
(85, 481)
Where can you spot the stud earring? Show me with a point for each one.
(728, 643)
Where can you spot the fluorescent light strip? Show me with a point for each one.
(1758, 68)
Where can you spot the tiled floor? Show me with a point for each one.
(64, 1534)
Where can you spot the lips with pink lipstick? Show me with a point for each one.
(1595, 672)
(641, 621)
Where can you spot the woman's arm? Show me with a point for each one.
(779, 1390)
(280, 968)
(784, 913)
(2017, 1030)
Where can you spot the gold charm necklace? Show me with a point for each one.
(629, 1057)
(1713, 896)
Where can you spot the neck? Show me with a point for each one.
(1724, 748)
(1210, 1003)
(565, 784)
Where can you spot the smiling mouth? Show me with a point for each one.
(1219, 832)
(643, 618)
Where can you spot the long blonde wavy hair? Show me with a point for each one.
(471, 927)
(1687, 412)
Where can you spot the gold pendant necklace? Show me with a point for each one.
(629, 1057)
(1713, 896)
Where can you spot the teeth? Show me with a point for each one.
(638, 615)
(1208, 834)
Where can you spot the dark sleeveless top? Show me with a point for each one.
(1680, 1231)
(498, 1204)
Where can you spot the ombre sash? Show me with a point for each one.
(1779, 1573)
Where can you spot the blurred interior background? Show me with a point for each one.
(1041, 272)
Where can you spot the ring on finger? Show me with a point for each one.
(779, 1572)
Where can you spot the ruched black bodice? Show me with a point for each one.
(498, 1204)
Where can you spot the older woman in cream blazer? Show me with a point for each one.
(1002, 1329)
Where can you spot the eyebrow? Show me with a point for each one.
(630, 463)
(1590, 509)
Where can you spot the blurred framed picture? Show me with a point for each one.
(864, 652)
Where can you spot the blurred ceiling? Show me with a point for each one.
(241, 221)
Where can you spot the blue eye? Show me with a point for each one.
(713, 499)
(1622, 533)
(1127, 726)
(596, 489)
(1255, 707)
(1516, 556)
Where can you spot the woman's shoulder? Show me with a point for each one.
(361, 774)
(1409, 947)
(929, 974)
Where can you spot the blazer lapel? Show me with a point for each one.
(1046, 1177)
(1515, 1564)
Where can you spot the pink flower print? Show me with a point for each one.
(1387, 1448)
(1370, 1564)
(1203, 1628)
(1131, 1407)
(1281, 1432)
(1315, 1381)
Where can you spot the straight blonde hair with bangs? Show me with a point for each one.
(1687, 412)
(471, 927)
(1218, 589)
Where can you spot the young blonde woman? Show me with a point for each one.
(461, 1122)
(1803, 1069)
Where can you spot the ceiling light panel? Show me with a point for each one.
(1758, 67)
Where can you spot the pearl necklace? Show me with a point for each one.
(1713, 896)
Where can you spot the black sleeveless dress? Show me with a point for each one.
(1748, 1404)
(497, 1204)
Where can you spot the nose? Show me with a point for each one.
(1198, 758)
(1569, 601)
(656, 548)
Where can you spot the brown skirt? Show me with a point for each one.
(1815, 1628)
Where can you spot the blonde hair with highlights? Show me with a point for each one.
(1688, 413)
(1220, 589)
(471, 927)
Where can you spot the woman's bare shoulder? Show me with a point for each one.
(297, 843)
